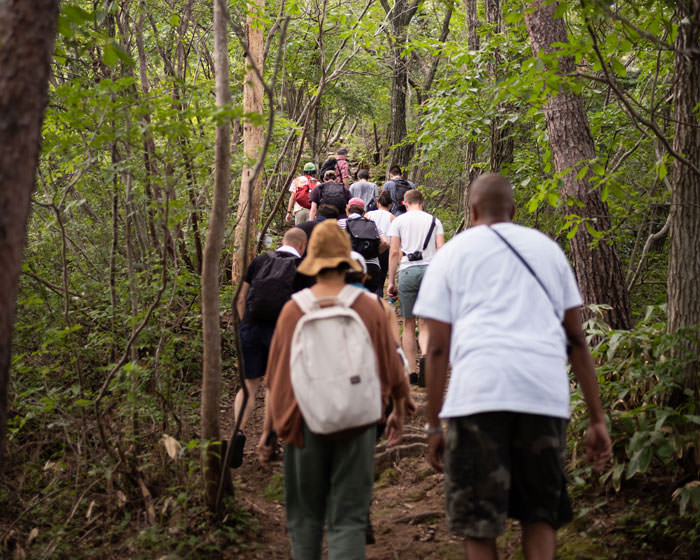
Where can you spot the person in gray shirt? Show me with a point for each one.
(364, 189)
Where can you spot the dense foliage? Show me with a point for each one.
(107, 343)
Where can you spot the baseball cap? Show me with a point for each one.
(355, 201)
(309, 167)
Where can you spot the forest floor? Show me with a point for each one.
(408, 511)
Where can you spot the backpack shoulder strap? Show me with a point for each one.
(305, 299)
(430, 232)
(347, 296)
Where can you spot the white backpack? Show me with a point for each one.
(333, 366)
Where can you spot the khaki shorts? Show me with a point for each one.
(505, 464)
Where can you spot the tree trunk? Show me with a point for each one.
(598, 268)
(471, 152)
(211, 334)
(27, 31)
(400, 15)
(253, 137)
(684, 259)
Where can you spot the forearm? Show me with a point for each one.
(290, 204)
(582, 366)
(267, 416)
(436, 363)
(312, 211)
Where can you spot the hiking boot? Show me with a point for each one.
(413, 378)
(421, 372)
(236, 455)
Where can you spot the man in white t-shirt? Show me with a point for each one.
(501, 301)
(415, 238)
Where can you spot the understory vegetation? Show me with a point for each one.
(104, 452)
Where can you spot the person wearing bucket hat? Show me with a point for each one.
(300, 189)
(328, 477)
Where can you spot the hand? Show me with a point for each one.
(391, 290)
(264, 451)
(436, 451)
(286, 217)
(394, 429)
(598, 445)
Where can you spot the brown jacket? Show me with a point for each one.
(286, 416)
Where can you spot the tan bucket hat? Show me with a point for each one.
(328, 247)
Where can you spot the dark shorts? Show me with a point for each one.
(255, 344)
(505, 464)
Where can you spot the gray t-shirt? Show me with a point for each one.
(365, 190)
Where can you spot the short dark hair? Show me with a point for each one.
(356, 209)
(395, 170)
(385, 198)
(327, 211)
(363, 174)
(329, 175)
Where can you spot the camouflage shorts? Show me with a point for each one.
(505, 464)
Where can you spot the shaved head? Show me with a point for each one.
(296, 237)
(491, 199)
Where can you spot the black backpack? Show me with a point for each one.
(371, 205)
(271, 287)
(334, 194)
(401, 187)
(364, 237)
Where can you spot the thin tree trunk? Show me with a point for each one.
(684, 218)
(471, 152)
(27, 31)
(400, 16)
(253, 137)
(598, 268)
(211, 334)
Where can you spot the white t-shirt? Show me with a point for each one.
(380, 217)
(508, 346)
(413, 227)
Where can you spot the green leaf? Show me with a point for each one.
(618, 67)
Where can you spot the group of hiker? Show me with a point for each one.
(498, 303)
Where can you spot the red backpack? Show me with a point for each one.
(304, 185)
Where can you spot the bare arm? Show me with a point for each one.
(290, 207)
(312, 212)
(439, 240)
(394, 259)
(383, 244)
(598, 445)
(240, 302)
(439, 334)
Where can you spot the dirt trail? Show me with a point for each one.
(408, 512)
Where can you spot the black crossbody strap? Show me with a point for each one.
(527, 265)
(430, 232)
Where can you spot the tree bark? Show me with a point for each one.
(684, 259)
(253, 137)
(27, 31)
(400, 16)
(211, 334)
(471, 151)
(598, 270)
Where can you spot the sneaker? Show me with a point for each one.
(413, 378)
(236, 455)
(421, 372)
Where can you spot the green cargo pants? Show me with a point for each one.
(332, 481)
